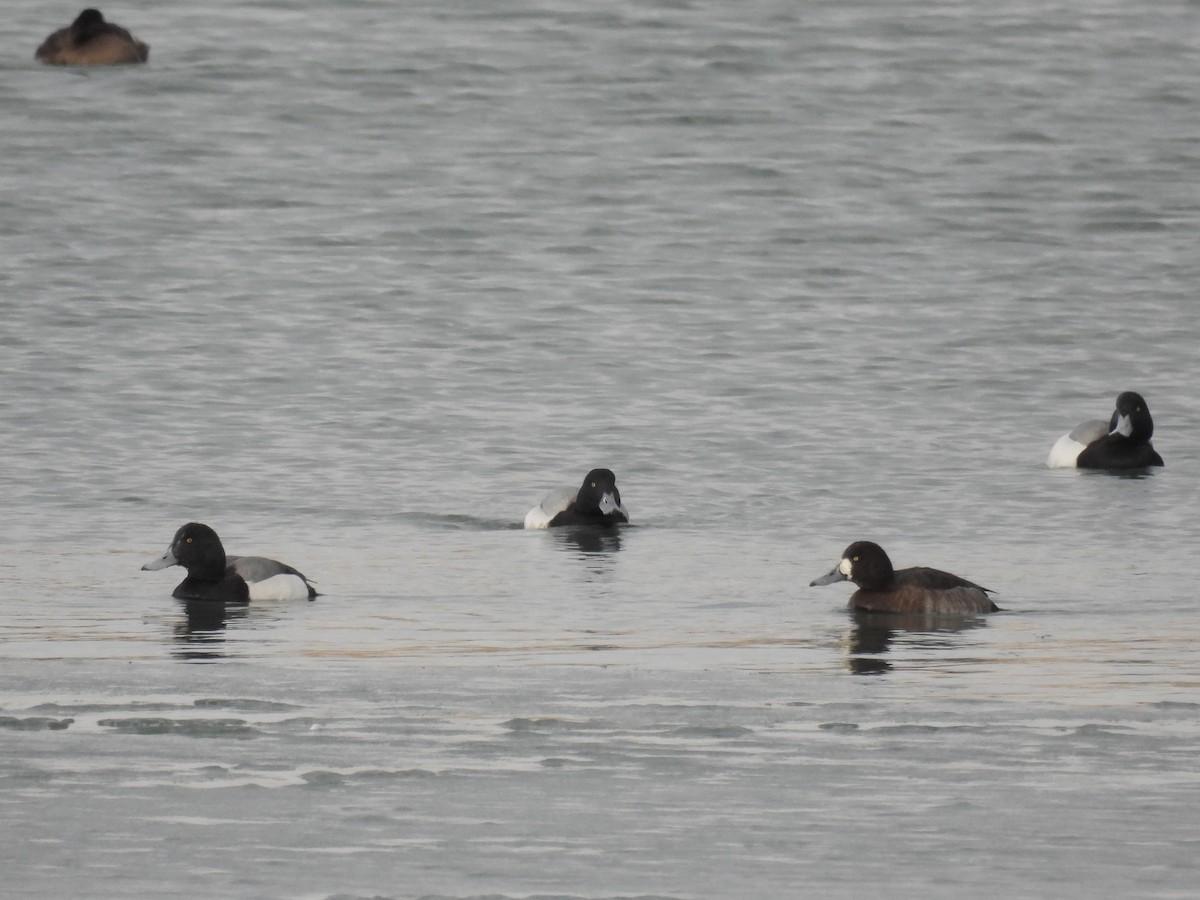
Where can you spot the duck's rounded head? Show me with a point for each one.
(1131, 418)
(598, 494)
(196, 547)
(87, 21)
(865, 563)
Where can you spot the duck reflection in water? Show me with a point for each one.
(871, 636)
(595, 548)
(201, 632)
(587, 540)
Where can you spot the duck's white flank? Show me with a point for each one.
(279, 587)
(553, 503)
(1066, 450)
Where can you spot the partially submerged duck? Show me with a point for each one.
(915, 591)
(596, 502)
(1123, 443)
(92, 41)
(229, 579)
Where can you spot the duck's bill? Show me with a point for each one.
(1122, 425)
(608, 504)
(833, 577)
(165, 561)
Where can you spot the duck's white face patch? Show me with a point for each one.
(1124, 426)
(608, 504)
(845, 566)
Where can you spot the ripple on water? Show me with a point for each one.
(207, 728)
(34, 723)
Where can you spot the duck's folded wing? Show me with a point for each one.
(1089, 432)
(270, 579)
(1067, 448)
(552, 504)
(259, 568)
(936, 579)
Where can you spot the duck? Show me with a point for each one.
(595, 502)
(230, 579)
(91, 40)
(1121, 444)
(919, 590)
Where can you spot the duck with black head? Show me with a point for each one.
(914, 591)
(232, 579)
(595, 502)
(91, 40)
(1120, 445)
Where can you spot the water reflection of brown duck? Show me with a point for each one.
(872, 635)
(92, 41)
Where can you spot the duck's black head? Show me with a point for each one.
(197, 548)
(1131, 418)
(599, 494)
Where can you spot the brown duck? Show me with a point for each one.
(915, 591)
(92, 41)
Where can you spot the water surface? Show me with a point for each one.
(356, 286)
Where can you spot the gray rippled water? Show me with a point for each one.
(356, 284)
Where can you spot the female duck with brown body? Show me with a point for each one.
(915, 591)
(92, 41)
(232, 579)
(1121, 445)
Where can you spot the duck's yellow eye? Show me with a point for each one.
(593, 484)
(855, 559)
(189, 540)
